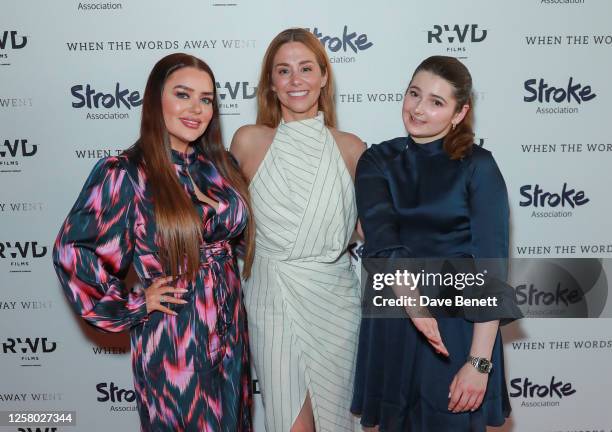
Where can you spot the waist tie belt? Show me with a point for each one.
(211, 251)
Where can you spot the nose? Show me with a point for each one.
(418, 108)
(295, 79)
(196, 106)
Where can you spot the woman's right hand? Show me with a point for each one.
(429, 328)
(159, 293)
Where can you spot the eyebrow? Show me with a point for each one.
(287, 64)
(184, 87)
(433, 94)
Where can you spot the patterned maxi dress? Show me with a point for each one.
(191, 372)
(302, 298)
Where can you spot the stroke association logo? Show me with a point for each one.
(343, 48)
(554, 99)
(21, 255)
(232, 96)
(121, 399)
(547, 204)
(541, 395)
(561, 2)
(10, 42)
(119, 99)
(13, 152)
(456, 39)
(98, 6)
(29, 351)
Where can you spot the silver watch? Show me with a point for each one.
(481, 364)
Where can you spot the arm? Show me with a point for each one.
(94, 251)
(377, 214)
(489, 219)
(380, 226)
(249, 146)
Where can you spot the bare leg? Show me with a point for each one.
(304, 422)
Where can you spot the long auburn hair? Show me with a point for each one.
(179, 227)
(459, 141)
(268, 106)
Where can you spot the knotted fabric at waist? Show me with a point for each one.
(211, 251)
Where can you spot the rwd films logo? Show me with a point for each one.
(456, 37)
(10, 40)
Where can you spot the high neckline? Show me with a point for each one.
(431, 148)
(317, 122)
(181, 158)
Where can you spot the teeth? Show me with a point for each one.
(300, 93)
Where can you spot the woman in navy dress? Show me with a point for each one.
(172, 206)
(432, 194)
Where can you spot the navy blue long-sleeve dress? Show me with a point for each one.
(415, 202)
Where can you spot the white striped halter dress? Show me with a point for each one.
(302, 299)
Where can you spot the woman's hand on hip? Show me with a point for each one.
(159, 293)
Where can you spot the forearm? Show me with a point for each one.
(483, 339)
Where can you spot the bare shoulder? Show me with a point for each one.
(351, 148)
(249, 146)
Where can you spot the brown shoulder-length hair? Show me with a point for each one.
(179, 228)
(459, 141)
(268, 106)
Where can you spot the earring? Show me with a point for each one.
(454, 125)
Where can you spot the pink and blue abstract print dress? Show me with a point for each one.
(191, 371)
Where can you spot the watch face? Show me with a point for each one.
(484, 366)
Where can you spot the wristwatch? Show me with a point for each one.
(481, 364)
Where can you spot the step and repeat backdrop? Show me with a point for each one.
(72, 76)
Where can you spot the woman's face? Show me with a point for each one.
(297, 81)
(430, 108)
(187, 105)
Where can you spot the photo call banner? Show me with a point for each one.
(72, 78)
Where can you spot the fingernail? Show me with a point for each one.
(184, 301)
(183, 290)
(449, 395)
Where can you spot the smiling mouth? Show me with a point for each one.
(298, 93)
(416, 120)
(192, 124)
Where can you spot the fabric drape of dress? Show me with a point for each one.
(415, 202)
(302, 298)
(191, 371)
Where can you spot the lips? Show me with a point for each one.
(191, 123)
(298, 93)
(416, 121)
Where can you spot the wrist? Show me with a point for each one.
(481, 364)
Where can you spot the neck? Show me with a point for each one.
(289, 116)
(181, 147)
(428, 139)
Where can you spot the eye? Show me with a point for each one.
(413, 93)
(207, 101)
(307, 69)
(182, 95)
(282, 71)
(438, 103)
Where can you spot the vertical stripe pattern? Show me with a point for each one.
(302, 298)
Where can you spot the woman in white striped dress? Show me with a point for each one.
(302, 299)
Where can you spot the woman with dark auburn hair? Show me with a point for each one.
(432, 194)
(303, 297)
(173, 205)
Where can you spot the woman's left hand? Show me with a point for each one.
(467, 389)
